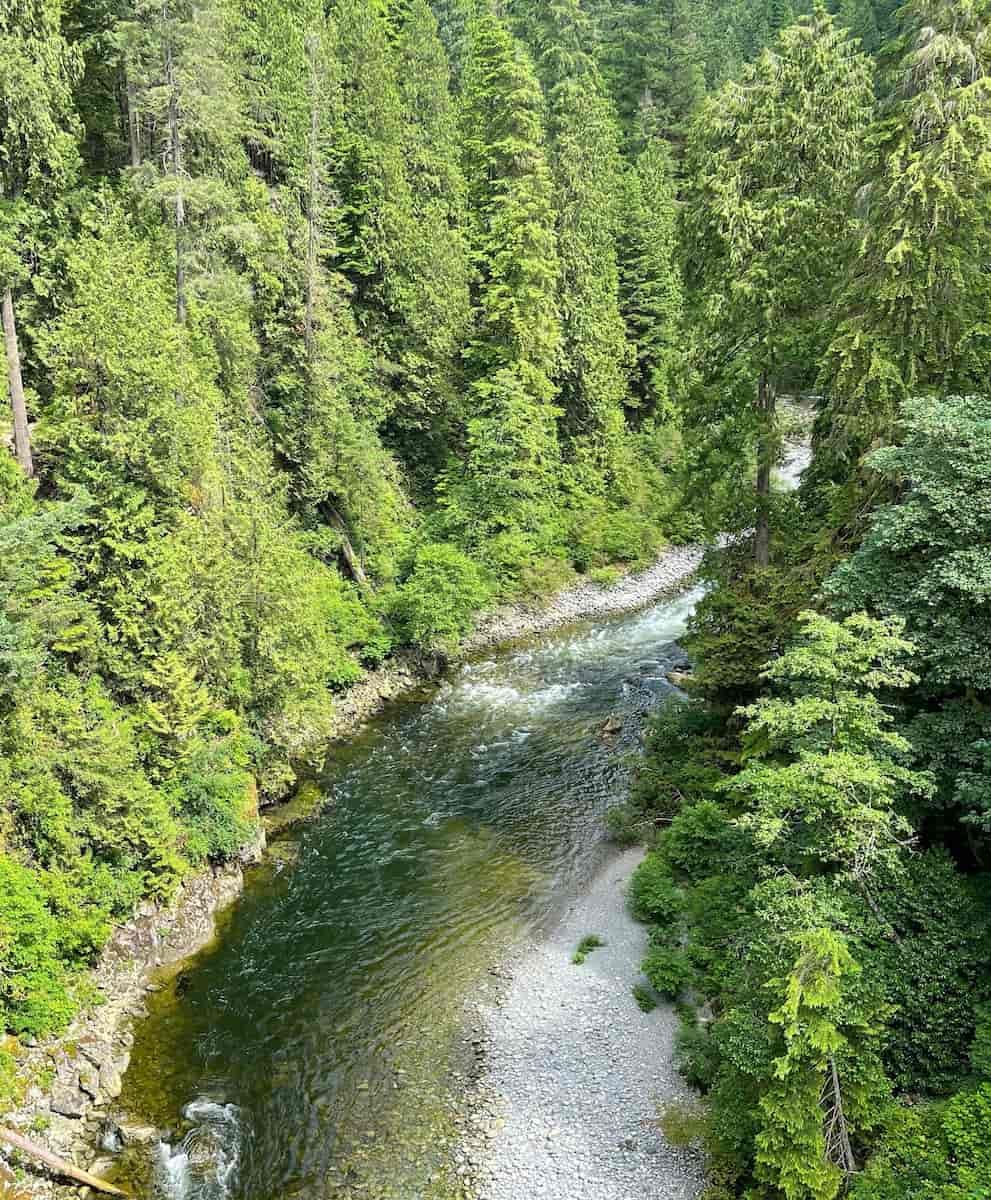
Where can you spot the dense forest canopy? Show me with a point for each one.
(328, 324)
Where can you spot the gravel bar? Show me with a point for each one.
(586, 600)
(575, 1073)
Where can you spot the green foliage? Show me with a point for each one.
(925, 561)
(935, 977)
(696, 1054)
(33, 994)
(702, 840)
(440, 596)
(687, 755)
(932, 1150)
(653, 894)
(605, 576)
(590, 942)
(772, 167)
(667, 969)
(644, 998)
(741, 625)
(822, 771)
(826, 1049)
(921, 238)
(980, 1048)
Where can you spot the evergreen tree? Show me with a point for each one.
(914, 309)
(652, 293)
(439, 306)
(38, 129)
(504, 494)
(827, 1083)
(771, 169)
(925, 560)
(585, 161)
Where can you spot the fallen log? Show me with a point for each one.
(58, 1165)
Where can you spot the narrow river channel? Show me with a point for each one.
(310, 1051)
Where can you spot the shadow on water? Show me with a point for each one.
(310, 1051)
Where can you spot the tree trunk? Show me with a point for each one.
(312, 196)
(878, 915)
(133, 132)
(58, 1165)
(765, 452)
(175, 145)
(22, 435)
(837, 1132)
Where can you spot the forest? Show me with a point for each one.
(330, 323)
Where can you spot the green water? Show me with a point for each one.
(316, 1049)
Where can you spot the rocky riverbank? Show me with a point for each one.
(76, 1078)
(586, 600)
(575, 1074)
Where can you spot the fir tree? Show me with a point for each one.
(914, 309)
(504, 494)
(38, 129)
(771, 169)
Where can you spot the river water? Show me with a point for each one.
(314, 1050)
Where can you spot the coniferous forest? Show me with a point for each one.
(330, 324)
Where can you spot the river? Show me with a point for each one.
(310, 1051)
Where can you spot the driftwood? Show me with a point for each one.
(58, 1165)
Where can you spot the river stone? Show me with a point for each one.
(135, 1134)
(95, 1050)
(89, 1082)
(111, 1083)
(68, 1101)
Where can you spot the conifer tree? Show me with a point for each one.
(916, 305)
(504, 493)
(438, 310)
(828, 1082)
(181, 63)
(652, 293)
(38, 129)
(771, 168)
(587, 171)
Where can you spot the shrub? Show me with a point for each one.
(33, 981)
(682, 1123)
(967, 1126)
(644, 997)
(668, 970)
(696, 1054)
(440, 596)
(653, 894)
(213, 802)
(936, 976)
(687, 755)
(605, 576)
(702, 841)
(980, 1047)
(911, 1159)
(624, 825)
(590, 942)
(544, 577)
(9, 1089)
